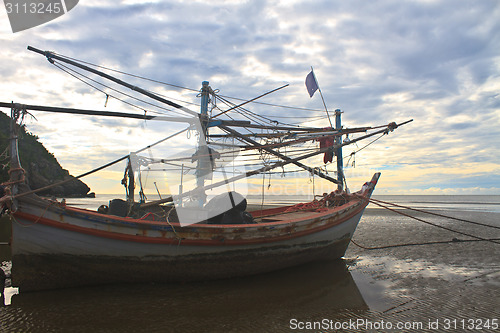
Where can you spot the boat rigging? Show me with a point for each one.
(215, 236)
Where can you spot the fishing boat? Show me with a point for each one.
(189, 235)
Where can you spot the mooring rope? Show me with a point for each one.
(481, 275)
(423, 243)
(435, 214)
(22, 194)
(477, 238)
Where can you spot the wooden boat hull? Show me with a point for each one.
(55, 247)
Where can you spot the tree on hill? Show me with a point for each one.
(41, 166)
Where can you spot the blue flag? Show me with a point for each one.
(311, 84)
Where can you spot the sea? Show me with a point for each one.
(406, 271)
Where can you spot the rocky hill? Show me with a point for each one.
(41, 167)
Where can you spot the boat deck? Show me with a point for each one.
(284, 216)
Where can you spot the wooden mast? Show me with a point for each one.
(204, 161)
(338, 151)
(53, 109)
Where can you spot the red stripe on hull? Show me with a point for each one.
(186, 241)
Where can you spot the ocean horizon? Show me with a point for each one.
(486, 203)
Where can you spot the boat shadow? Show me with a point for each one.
(265, 302)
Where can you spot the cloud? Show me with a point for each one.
(436, 62)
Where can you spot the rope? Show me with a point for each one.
(125, 73)
(36, 221)
(19, 181)
(435, 225)
(263, 195)
(5, 154)
(167, 219)
(68, 70)
(481, 275)
(333, 199)
(247, 113)
(373, 141)
(96, 169)
(435, 214)
(398, 306)
(39, 217)
(454, 240)
(353, 154)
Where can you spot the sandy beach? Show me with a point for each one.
(453, 285)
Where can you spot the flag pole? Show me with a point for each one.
(321, 94)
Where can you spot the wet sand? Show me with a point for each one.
(452, 286)
(448, 287)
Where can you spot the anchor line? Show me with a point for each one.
(423, 243)
(375, 201)
(477, 238)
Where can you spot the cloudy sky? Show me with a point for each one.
(437, 62)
